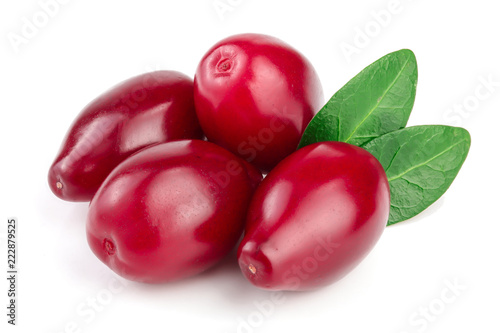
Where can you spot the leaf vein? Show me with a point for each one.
(393, 158)
(380, 99)
(425, 162)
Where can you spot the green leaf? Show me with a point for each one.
(378, 100)
(421, 162)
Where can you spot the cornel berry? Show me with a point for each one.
(148, 109)
(171, 210)
(314, 217)
(255, 95)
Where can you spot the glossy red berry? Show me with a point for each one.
(255, 95)
(148, 109)
(170, 211)
(314, 217)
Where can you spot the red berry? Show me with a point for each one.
(314, 217)
(170, 211)
(148, 109)
(255, 95)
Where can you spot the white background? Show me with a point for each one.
(88, 46)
